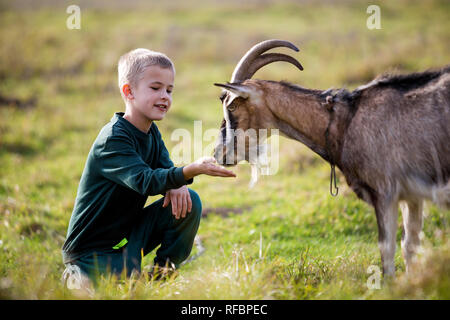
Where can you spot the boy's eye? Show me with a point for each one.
(155, 88)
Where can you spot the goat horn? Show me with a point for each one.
(267, 58)
(240, 73)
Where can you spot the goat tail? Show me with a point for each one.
(441, 196)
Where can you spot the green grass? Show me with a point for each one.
(285, 239)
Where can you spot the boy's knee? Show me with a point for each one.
(196, 202)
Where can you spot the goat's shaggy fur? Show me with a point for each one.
(390, 138)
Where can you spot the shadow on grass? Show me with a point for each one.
(18, 148)
(223, 211)
(27, 150)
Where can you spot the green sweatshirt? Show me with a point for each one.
(124, 167)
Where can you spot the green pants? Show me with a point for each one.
(156, 226)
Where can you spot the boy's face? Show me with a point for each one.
(152, 95)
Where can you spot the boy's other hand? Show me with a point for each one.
(181, 201)
(208, 166)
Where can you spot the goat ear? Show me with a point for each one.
(238, 89)
(329, 103)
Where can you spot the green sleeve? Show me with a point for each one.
(117, 160)
(164, 160)
(164, 157)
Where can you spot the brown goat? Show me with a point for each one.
(390, 138)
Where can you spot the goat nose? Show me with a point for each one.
(219, 155)
(216, 154)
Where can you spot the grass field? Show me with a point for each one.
(286, 238)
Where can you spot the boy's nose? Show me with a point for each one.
(165, 95)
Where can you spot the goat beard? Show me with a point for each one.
(260, 164)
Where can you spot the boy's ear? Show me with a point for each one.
(238, 89)
(126, 89)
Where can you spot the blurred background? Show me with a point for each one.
(58, 87)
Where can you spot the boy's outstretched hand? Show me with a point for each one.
(208, 166)
(180, 198)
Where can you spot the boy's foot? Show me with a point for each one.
(162, 273)
(77, 282)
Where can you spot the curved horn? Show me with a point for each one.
(267, 58)
(240, 73)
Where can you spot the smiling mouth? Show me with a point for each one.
(161, 107)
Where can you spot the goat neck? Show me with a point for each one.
(302, 114)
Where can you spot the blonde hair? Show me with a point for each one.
(133, 63)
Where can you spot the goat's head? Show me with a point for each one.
(244, 106)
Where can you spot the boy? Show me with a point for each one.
(110, 230)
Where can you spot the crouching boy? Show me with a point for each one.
(110, 230)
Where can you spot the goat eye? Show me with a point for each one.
(231, 107)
